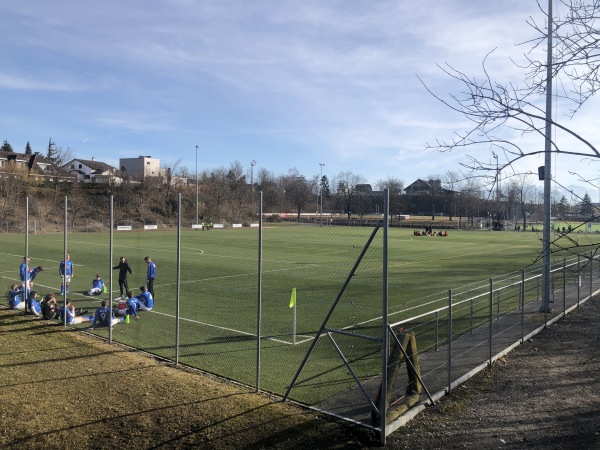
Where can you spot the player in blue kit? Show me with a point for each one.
(133, 305)
(103, 317)
(69, 313)
(145, 298)
(150, 275)
(25, 274)
(14, 300)
(66, 272)
(97, 286)
(34, 306)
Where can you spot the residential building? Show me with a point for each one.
(35, 164)
(92, 171)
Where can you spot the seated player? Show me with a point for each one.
(14, 301)
(133, 305)
(69, 313)
(49, 307)
(35, 307)
(145, 298)
(103, 317)
(97, 286)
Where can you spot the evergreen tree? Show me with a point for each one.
(28, 150)
(586, 205)
(6, 147)
(52, 152)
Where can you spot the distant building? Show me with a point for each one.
(141, 167)
(35, 164)
(92, 171)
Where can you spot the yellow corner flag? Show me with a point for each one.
(293, 298)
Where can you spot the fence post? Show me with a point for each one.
(564, 286)
(498, 304)
(449, 341)
(259, 289)
(437, 330)
(578, 278)
(178, 281)
(522, 306)
(491, 319)
(471, 327)
(110, 256)
(591, 273)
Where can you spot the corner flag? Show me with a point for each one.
(293, 298)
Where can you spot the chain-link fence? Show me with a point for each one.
(300, 309)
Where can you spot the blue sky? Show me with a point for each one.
(287, 83)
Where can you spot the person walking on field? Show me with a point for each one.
(150, 275)
(123, 267)
(66, 272)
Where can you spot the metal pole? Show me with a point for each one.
(259, 289)
(196, 185)
(384, 325)
(578, 278)
(64, 278)
(321, 191)
(252, 164)
(591, 273)
(522, 306)
(564, 286)
(110, 269)
(449, 341)
(26, 290)
(178, 281)
(491, 319)
(547, 171)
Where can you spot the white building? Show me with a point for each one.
(91, 171)
(141, 167)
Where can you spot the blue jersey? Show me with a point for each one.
(97, 284)
(69, 314)
(146, 299)
(24, 272)
(102, 317)
(33, 273)
(151, 273)
(13, 298)
(66, 268)
(133, 304)
(34, 305)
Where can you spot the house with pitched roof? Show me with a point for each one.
(34, 164)
(92, 171)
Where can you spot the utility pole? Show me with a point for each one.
(321, 192)
(545, 308)
(196, 185)
(252, 164)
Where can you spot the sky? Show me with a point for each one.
(289, 84)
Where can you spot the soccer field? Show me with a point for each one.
(219, 290)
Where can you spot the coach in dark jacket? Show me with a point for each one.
(123, 267)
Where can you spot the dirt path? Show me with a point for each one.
(62, 389)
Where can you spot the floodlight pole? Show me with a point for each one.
(321, 194)
(252, 164)
(196, 185)
(545, 308)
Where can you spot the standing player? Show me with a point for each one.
(150, 275)
(25, 275)
(123, 267)
(66, 272)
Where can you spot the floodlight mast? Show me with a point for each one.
(545, 308)
(196, 185)
(321, 192)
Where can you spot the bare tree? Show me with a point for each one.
(345, 184)
(491, 106)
